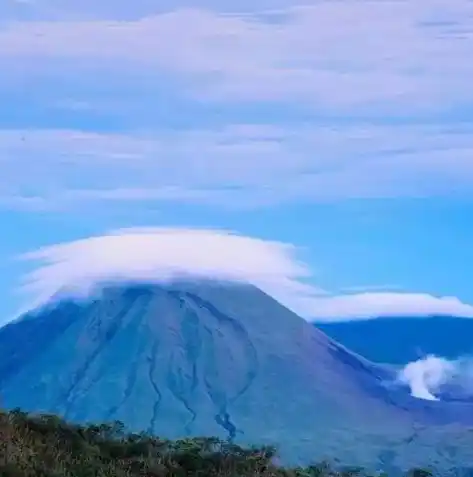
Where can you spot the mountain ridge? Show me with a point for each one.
(400, 340)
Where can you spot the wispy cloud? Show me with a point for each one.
(160, 254)
(393, 304)
(332, 58)
(333, 54)
(238, 165)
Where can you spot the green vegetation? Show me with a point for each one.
(47, 446)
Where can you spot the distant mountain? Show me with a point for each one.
(399, 340)
(209, 358)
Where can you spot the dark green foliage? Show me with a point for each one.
(47, 446)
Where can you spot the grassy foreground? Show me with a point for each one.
(47, 446)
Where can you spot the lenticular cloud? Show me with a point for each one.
(163, 254)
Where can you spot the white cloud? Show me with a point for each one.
(377, 304)
(125, 10)
(238, 165)
(331, 54)
(157, 254)
(352, 56)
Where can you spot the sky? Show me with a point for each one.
(343, 128)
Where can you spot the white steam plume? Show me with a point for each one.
(425, 376)
(434, 377)
(160, 254)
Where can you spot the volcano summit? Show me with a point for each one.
(214, 358)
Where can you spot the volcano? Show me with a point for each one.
(214, 358)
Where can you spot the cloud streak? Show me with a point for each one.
(237, 165)
(161, 254)
(361, 59)
(328, 54)
(369, 305)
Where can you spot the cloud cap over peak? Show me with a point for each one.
(162, 254)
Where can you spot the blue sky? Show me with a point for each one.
(342, 127)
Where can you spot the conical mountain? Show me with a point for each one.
(209, 358)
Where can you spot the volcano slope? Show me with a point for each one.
(209, 358)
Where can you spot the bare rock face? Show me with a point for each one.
(208, 358)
